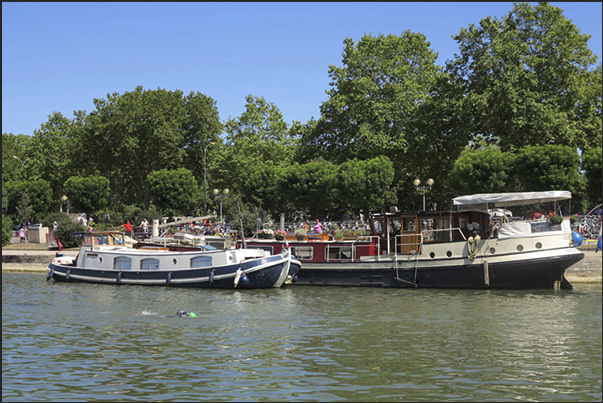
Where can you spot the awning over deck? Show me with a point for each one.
(510, 199)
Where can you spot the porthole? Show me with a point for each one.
(100, 259)
(174, 261)
(492, 251)
(538, 245)
(432, 255)
(449, 254)
(519, 248)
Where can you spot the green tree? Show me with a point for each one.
(542, 168)
(201, 127)
(310, 187)
(174, 191)
(131, 135)
(37, 205)
(15, 146)
(7, 230)
(363, 185)
(89, 194)
(592, 166)
(486, 171)
(51, 150)
(24, 209)
(263, 186)
(258, 136)
(7, 222)
(374, 100)
(526, 80)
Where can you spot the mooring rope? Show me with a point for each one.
(473, 246)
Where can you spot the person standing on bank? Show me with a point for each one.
(22, 234)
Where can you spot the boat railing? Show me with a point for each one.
(442, 235)
(406, 244)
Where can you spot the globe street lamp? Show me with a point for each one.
(221, 197)
(205, 179)
(423, 188)
(65, 201)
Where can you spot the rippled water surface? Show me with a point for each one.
(79, 342)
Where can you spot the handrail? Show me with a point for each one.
(418, 245)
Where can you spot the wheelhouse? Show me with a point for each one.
(404, 233)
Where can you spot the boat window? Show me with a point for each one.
(395, 225)
(427, 229)
(101, 239)
(442, 224)
(117, 240)
(122, 263)
(410, 224)
(303, 252)
(201, 261)
(339, 252)
(149, 264)
(544, 227)
(463, 222)
(378, 225)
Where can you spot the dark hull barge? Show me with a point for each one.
(464, 248)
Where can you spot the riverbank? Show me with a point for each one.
(33, 257)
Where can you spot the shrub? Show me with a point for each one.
(65, 230)
(7, 229)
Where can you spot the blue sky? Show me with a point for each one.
(60, 56)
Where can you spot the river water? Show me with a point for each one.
(81, 342)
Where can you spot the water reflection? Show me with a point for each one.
(96, 342)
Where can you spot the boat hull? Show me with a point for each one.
(537, 273)
(500, 264)
(258, 273)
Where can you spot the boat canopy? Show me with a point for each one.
(510, 199)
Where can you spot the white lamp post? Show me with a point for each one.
(19, 159)
(221, 197)
(417, 182)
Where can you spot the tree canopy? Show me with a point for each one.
(257, 137)
(131, 135)
(88, 194)
(374, 99)
(518, 108)
(174, 191)
(528, 80)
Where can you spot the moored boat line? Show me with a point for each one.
(461, 248)
(104, 259)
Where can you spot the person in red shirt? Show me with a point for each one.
(128, 227)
